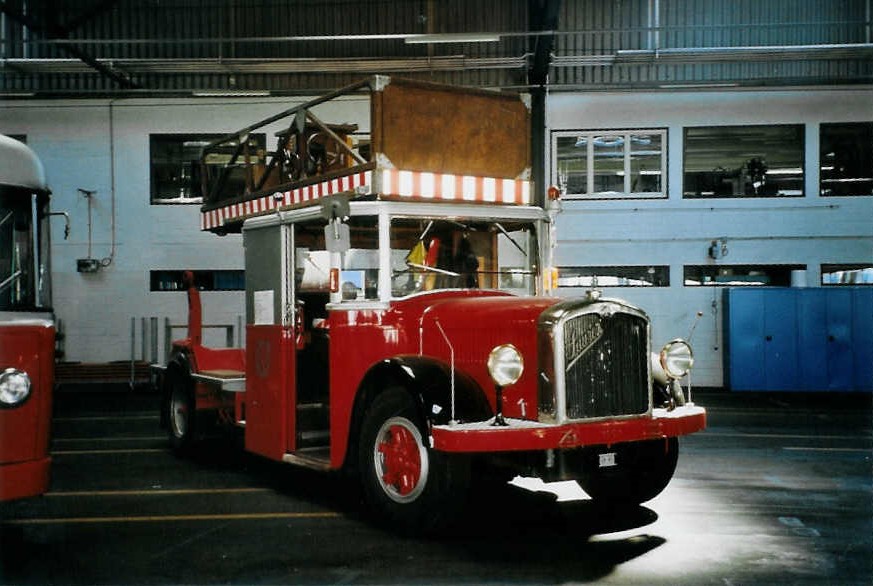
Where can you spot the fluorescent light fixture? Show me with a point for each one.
(787, 171)
(452, 38)
(231, 93)
(696, 86)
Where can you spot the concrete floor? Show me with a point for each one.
(778, 490)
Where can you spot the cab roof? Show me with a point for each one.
(19, 165)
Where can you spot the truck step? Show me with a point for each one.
(315, 458)
(313, 416)
(317, 438)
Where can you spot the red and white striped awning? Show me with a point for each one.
(460, 188)
(387, 183)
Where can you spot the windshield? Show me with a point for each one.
(438, 253)
(24, 249)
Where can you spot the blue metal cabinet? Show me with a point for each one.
(813, 338)
(744, 339)
(798, 339)
(862, 335)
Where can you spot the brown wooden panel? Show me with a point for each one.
(424, 127)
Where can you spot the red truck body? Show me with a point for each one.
(401, 324)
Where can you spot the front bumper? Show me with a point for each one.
(24, 479)
(523, 435)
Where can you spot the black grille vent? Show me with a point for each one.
(606, 365)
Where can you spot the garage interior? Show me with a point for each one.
(715, 159)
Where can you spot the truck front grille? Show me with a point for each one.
(599, 365)
(610, 376)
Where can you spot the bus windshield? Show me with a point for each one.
(441, 253)
(24, 251)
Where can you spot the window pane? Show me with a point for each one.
(858, 274)
(205, 280)
(629, 276)
(176, 171)
(645, 160)
(434, 253)
(572, 165)
(744, 161)
(359, 272)
(847, 159)
(740, 275)
(17, 281)
(608, 164)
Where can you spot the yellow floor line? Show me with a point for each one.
(171, 518)
(155, 492)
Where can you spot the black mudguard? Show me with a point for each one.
(430, 383)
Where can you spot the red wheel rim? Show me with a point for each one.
(401, 460)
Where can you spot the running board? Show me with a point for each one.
(231, 381)
(313, 461)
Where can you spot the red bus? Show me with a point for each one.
(27, 324)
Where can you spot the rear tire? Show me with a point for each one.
(644, 470)
(410, 486)
(180, 410)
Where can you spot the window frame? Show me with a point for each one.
(204, 280)
(559, 175)
(660, 282)
(195, 182)
(761, 161)
(825, 168)
(737, 281)
(830, 268)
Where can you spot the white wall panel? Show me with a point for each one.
(73, 140)
(808, 230)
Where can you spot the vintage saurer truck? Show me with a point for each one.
(401, 318)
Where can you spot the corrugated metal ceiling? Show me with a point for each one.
(51, 47)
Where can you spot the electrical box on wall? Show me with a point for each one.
(87, 265)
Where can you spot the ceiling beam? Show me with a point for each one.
(56, 31)
(542, 20)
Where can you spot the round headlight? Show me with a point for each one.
(677, 358)
(14, 387)
(505, 365)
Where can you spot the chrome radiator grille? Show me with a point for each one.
(600, 365)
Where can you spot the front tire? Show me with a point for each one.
(644, 470)
(410, 486)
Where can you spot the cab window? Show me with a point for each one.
(359, 269)
(430, 254)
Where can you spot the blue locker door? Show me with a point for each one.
(780, 340)
(745, 331)
(862, 338)
(812, 332)
(841, 364)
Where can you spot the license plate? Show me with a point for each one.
(607, 460)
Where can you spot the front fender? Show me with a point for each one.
(429, 381)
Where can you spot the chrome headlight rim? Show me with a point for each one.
(505, 365)
(676, 358)
(15, 388)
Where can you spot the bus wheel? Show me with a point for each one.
(180, 410)
(412, 488)
(643, 470)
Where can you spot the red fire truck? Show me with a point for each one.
(27, 327)
(400, 316)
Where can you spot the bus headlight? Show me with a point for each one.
(677, 358)
(14, 387)
(505, 365)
